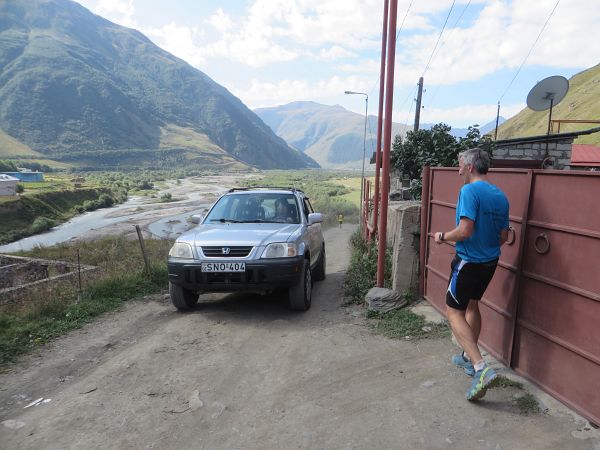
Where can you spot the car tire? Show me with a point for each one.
(183, 299)
(319, 274)
(300, 295)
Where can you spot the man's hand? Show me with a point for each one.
(438, 237)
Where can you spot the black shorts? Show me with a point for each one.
(468, 281)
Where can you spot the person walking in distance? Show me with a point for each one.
(481, 228)
(340, 219)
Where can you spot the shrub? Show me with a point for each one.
(105, 201)
(20, 188)
(41, 224)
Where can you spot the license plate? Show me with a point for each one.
(224, 267)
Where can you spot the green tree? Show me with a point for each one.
(435, 147)
(7, 166)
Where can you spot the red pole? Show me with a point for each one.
(387, 140)
(424, 229)
(380, 113)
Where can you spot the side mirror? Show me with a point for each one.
(196, 218)
(315, 218)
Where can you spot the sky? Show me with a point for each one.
(272, 52)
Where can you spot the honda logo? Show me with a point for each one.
(225, 250)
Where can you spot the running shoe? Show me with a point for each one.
(482, 381)
(460, 361)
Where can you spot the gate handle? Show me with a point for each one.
(546, 248)
(511, 236)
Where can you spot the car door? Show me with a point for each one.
(314, 231)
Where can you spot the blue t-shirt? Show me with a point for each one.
(487, 206)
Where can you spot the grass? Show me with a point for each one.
(528, 404)
(326, 189)
(361, 274)
(123, 278)
(405, 324)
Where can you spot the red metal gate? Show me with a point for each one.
(542, 309)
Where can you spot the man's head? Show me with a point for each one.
(473, 162)
(281, 207)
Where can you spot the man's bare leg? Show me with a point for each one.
(473, 317)
(464, 334)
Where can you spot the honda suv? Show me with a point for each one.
(252, 240)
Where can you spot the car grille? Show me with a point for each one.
(221, 252)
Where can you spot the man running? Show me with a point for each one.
(481, 228)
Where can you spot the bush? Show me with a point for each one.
(165, 197)
(20, 188)
(41, 224)
(105, 201)
(362, 271)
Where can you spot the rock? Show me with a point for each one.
(194, 401)
(426, 329)
(384, 300)
(428, 384)
(13, 424)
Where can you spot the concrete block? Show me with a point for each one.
(384, 300)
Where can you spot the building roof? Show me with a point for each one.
(4, 177)
(585, 155)
(544, 138)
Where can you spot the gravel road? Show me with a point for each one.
(244, 372)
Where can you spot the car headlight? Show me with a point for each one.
(280, 250)
(181, 250)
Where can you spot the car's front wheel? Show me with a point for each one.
(183, 299)
(300, 295)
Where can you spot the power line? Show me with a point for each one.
(530, 50)
(397, 34)
(446, 40)
(439, 37)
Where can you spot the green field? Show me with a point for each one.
(330, 192)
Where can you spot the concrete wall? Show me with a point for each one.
(403, 228)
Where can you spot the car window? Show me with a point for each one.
(255, 207)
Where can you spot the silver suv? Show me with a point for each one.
(254, 240)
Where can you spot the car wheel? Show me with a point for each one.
(182, 299)
(300, 295)
(320, 269)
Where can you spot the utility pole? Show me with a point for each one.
(497, 119)
(418, 110)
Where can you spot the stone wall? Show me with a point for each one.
(24, 280)
(559, 151)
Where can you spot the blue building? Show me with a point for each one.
(27, 176)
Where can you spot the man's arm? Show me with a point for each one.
(503, 236)
(463, 231)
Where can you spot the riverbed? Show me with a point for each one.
(157, 220)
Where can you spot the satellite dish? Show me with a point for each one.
(547, 93)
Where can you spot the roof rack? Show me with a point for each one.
(275, 188)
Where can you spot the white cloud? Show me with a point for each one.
(180, 41)
(334, 52)
(465, 115)
(262, 94)
(121, 11)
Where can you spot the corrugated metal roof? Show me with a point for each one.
(585, 155)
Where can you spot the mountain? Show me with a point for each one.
(77, 88)
(462, 132)
(331, 135)
(582, 102)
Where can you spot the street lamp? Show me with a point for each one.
(362, 179)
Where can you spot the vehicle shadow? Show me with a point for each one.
(257, 308)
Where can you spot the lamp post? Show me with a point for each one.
(362, 178)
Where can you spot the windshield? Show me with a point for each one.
(255, 207)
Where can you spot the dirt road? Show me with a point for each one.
(245, 372)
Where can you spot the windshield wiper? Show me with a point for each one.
(257, 221)
(222, 220)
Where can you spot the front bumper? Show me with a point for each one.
(260, 275)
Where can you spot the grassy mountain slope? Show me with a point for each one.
(331, 135)
(581, 102)
(73, 84)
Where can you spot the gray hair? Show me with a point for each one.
(478, 158)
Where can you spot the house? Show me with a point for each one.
(27, 175)
(585, 156)
(552, 151)
(8, 185)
